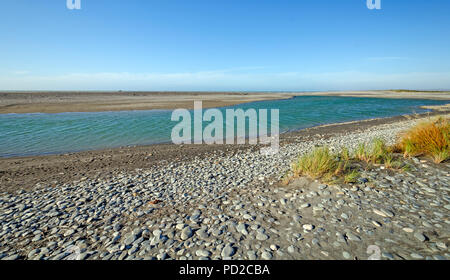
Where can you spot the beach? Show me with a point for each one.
(225, 130)
(58, 102)
(223, 202)
(70, 101)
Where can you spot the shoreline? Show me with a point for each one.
(201, 202)
(72, 101)
(63, 102)
(26, 172)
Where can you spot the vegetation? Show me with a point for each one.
(324, 165)
(430, 138)
(427, 138)
(343, 166)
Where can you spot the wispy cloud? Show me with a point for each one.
(227, 80)
(384, 58)
(20, 72)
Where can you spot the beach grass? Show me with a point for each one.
(343, 166)
(429, 138)
(322, 164)
(375, 152)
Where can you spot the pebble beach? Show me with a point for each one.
(231, 205)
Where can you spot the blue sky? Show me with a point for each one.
(224, 45)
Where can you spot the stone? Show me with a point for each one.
(308, 227)
(266, 255)
(420, 236)
(186, 233)
(203, 253)
(227, 251)
(129, 240)
(261, 236)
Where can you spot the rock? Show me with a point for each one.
(261, 236)
(129, 240)
(375, 223)
(291, 249)
(416, 256)
(308, 227)
(346, 255)
(352, 237)
(227, 251)
(409, 230)
(251, 255)
(186, 233)
(383, 212)
(203, 253)
(441, 245)
(420, 236)
(266, 255)
(11, 258)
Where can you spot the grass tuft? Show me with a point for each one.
(319, 163)
(322, 164)
(430, 138)
(375, 152)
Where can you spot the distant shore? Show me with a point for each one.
(59, 102)
(95, 101)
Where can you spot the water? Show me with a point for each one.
(40, 134)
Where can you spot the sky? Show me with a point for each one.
(215, 45)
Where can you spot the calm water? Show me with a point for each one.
(37, 134)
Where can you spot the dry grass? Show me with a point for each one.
(431, 138)
(322, 164)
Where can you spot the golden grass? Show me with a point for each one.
(431, 138)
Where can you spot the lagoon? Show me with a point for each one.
(42, 134)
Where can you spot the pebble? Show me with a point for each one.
(266, 255)
(308, 227)
(211, 207)
(261, 236)
(420, 236)
(227, 251)
(186, 233)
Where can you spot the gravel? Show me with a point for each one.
(230, 206)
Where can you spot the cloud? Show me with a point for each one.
(227, 80)
(20, 72)
(384, 58)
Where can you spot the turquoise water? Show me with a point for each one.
(39, 134)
